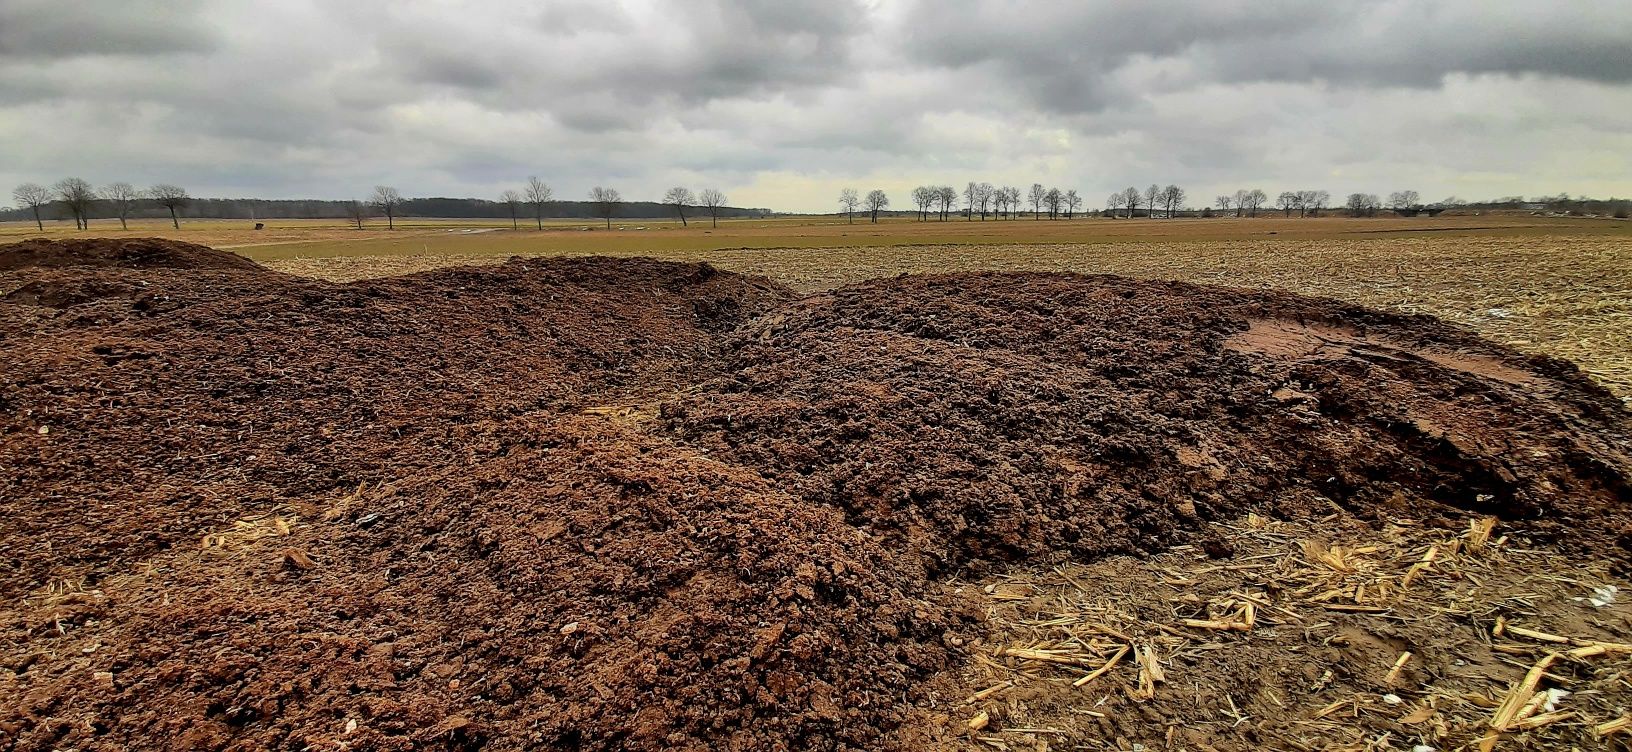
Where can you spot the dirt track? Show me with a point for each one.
(599, 504)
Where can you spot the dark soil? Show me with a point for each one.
(136, 253)
(624, 504)
(1005, 417)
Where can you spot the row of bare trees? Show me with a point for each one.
(1170, 199)
(875, 202)
(1246, 203)
(538, 195)
(1308, 203)
(1368, 204)
(710, 199)
(81, 200)
(985, 199)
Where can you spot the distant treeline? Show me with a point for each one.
(451, 208)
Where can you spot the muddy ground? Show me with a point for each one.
(628, 504)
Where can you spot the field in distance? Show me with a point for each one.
(284, 239)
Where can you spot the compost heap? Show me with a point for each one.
(601, 504)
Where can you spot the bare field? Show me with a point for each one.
(318, 238)
(1564, 295)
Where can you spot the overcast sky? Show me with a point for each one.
(782, 103)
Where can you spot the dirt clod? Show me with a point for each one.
(624, 504)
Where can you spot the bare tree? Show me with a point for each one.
(32, 196)
(387, 199)
(171, 197)
(849, 200)
(606, 202)
(680, 198)
(712, 200)
(1014, 201)
(1403, 199)
(1363, 204)
(948, 196)
(876, 201)
(1051, 202)
(1037, 195)
(1153, 194)
(358, 212)
(1000, 201)
(538, 194)
(1254, 199)
(1113, 202)
(1173, 199)
(970, 195)
(122, 197)
(983, 198)
(1130, 199)
(1073, 202)
(1225, 201)
(1287, 201)
(1311, 202)
(76, 194)
(512, 201)
(923, 196)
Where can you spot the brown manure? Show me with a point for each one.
(599, 504)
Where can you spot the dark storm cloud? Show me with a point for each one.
(572, 57)
(782, 103)
(1065, 57)
(55, 29)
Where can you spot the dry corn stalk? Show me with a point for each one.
(250, 529)
(1098, 672)
(1150, 672)
(1618, 726)
(1479, 533)
(1335, 558)
(1399, 667)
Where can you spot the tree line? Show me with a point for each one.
(986, 200)
(78, 197)
(607, 202)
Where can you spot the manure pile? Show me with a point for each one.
(601, 504)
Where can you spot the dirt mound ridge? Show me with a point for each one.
(602, 504)
(132, 253)
(1004, 417)
(216, 393)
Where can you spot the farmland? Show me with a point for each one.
(413, 236)
(396, 497)
(1551, 285)
(1548, 285)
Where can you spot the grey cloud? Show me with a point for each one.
(662, 57)
(308, 97)
(54, 29)
(1060, 57)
